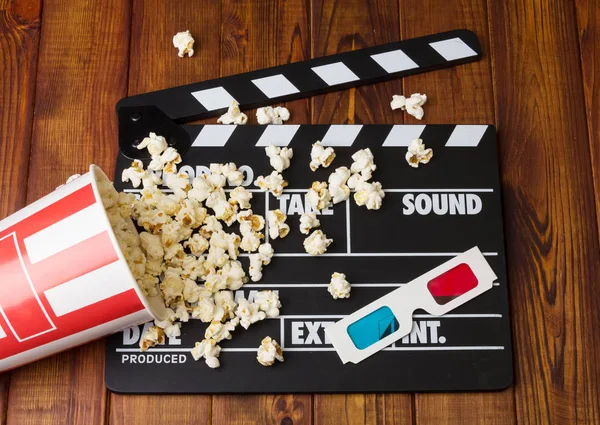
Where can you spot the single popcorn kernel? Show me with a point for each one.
(320, 156)
(318, 196)
(268, 352)
(339, 286)
(277, 227)
(317, 243)
(184, 42)
(279, 158)
(417, 154)
(308, 221)
(153, 336)
(233, 115)
(274, 183)
(369, 194)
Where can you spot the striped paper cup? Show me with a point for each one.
(63, 278)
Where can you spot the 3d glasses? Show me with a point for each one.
(389, 318)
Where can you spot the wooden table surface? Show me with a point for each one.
(64, 66)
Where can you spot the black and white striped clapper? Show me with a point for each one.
(311, 77)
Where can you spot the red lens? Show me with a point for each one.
(452, 284)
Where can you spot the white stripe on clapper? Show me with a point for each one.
(341, 135)
(214, 135)
(215, 98)
(402, 135)
(394, 61)
(335, 73)
(466, 135)
(89, 288)
(278, 135)
(453, 49)
(275, 86)
(66, 233)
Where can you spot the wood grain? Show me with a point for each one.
(339, 26)
(84, 45)
(154, 65)
(551, 230)
(458, 95)
(257, 35)
(19, 41)
(342, 26)
(588, 20)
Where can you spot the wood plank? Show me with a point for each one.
(19, 41)
(84, 46)
(338, 27)
(154, 65)
(551, 229)
(257, 35)
(461, 95)
(588, 19)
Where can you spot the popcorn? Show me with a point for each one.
(206, 311)
(308, 221)
(240, 196)
(211, 225)
(173, 232)
(152, 245)
(318, 196)
(250, 222)
(149, 284)
(191, 214)
(414, 105)
(208, 349)
(136, 260)
(134, 174)
(268, 301)
(369, 194)
(234, 274)
(339, 286)
(193, 293)
(248, 313)
(277, 226)
(184, 42)
(216, 281)
(171, 330)
(172, 286)
(154, 266)
(181, 311)
(233, 115)
(270, 115)
(338, 189)
(167, 161)
(417, 154)
(273, 182)
(218, 331)
(363, 163)
(317, 243)
(192, 267)
(268, 352)
(217, 257)
(229, 171)
(263, 257)
(155, 144)
(229, 242)
(251, 241)
(355, 180)
(223, 210)
(201, 189)
(153, 336)
(320, 156)
(197, 244)
(224, 300)
(179, 183)
(398, 102)
(279, 158)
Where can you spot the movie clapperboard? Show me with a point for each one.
(429, 215)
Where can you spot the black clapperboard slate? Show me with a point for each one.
(429, 215)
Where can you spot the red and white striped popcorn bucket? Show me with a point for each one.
(63, 278)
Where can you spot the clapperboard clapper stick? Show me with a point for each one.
(159, 111)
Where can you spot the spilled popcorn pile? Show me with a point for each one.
(185, 257)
